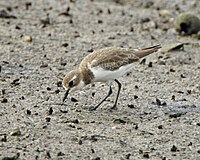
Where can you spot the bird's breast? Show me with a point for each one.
(104, 75)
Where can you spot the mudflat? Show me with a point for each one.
(158, 114)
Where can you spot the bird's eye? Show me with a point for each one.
(71, 83)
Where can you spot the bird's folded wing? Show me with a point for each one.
(112, 59)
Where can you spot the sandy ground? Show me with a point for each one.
(158, 115)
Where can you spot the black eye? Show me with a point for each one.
(71, 83)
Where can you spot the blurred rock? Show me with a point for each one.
(15, 132)
(172, 47)
(27, 38)
(164, 13)
(187, 24)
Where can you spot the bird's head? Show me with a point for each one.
(72, 81)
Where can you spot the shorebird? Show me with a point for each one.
(104, 65)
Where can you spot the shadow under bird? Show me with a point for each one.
(104, 65)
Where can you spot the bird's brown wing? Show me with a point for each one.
(113, 58)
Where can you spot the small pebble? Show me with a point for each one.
(4, 14)
(181, 92)
(135, 97)
(100, 21)
(187, 24)
(189, 91)
(96, 158)
(74, 99)
(148, 4)
(136, 126)
(150, 64)
(131, 106)
(127, 156)
(80, 142)
(72, 126)
(48, 154)
(143, 61)
(109, 11)
(17, 27)
(16, 157)
(27, 38)
(15, 82)
(119, 121)
(176, 115)
(92, 150)
(65, 44)
(44, 65)
(50, 111)
(60, 154)
(160, 127)
(45, 22)
(4, 100)
(131, 29)
(63, 63)
(22, 98)
(90, 50)
(76, 121)
(63, 111)
(164, 13)
(146, 155)
(4, 139)
(28, 112)
(93, 94)
(48, 119)
(44, 127)
(158, 102)
(136, 87)
(71, 21)
(174, 148)
(59, 84)
(15, 132)
(48, 88)
(66, 13)
(28, 4)
(20, 65)
(57, 91)
(93, 138)
(172, 70)
(190, 144)
(182, 76)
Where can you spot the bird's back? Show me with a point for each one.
(113, 58)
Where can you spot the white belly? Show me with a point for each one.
(102, 75)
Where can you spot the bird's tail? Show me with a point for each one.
(146, 51)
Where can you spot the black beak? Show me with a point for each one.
(65, 96)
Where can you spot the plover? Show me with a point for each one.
(104, 65)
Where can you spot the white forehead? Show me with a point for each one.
(74, 77)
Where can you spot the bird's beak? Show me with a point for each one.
(66, 94)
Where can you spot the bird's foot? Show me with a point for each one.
(93, 108)
(114, 107)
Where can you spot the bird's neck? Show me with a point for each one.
(86, 75)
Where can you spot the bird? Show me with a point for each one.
(104, 65)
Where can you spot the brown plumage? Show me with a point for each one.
(104, 65)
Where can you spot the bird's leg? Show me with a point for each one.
(119, 88)
(109, 93)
